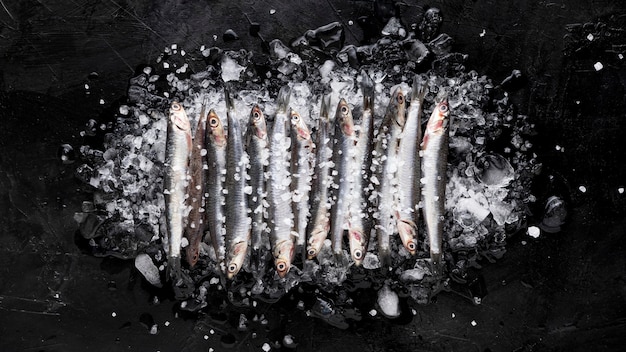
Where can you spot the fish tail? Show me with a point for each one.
(385, 258)
(283, 98)
(230, 102)
(367, 86)
(325, 109)
(418, 91)
(174, 268)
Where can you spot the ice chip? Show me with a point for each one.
(146, 267)
(533, 231)
(388, 302)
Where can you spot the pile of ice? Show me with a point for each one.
(491, 163)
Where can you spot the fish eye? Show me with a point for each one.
(400, 98)
(412, 246)
(213, 122)
(295, 117)
(443, 107)
(232, 267)
(311, 252)
(344, 109)
(256, 116)
(281, 267)
(176, 106)
(358, 254)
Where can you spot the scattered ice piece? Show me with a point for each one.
(373, 312)
(413, 311)
(206, 337)
(620, 190)
(231, 70)
(589, 37)
(388, 302)
(474, 323)
(214, 281)
(166, 65)
(101, 101)
(453, 315)
(212, 332)
(123, 109)
(86, 86)
(350, 23)
(272, 11)
(482, 34)
(266, 347)
(370, 261)
(582, 189)
(146, 267)
(288, 341)
(167, 323)
(113, 314)
(598, 66)
(154, 329)
(523, 243)
(620, 56)
(533, 231)
(557, 147)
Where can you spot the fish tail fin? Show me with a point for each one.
(174, 269)
(283, 98)
(367, 86)
(385, 258)
(325, 109)
(230, 102)
(436, 262)
(418, 91)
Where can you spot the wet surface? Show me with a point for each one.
(560, 291)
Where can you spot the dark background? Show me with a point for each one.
(563, 291)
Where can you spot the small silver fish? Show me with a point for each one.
(177, 150)
(279, 193)
(435, 161)
(302, 156)
(216, 160)
(409, 171)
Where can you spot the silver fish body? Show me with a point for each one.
(237, 220)
(215, 204)
(177, 150)
(301, 173)
(434, 163)
(257, 147)
(345, 140)
(409, 171)
(360, 207)
(279, 193)
(387, 140)
(322, 183)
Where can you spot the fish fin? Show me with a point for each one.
(174, 269)
(230, 102)
(367, 86)
(325, 109)
(282, 101)
(418, 91)
(436, 264)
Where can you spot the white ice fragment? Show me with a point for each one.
(373, 312)
(533, 231)
(590, 37)
(598, 66)
(154, 329)
(214, 281)
(620, 56)
(388, 302)
(147, 70)
(583, 189)
(101, 101)
(206, 337)
(370, 261)
(482, 34)
(123, 109)
(272, 11)
(113, 314)
(231, 70)
(471, 206)
(453, 315)
(146, 267)
(350, 23)
(167, 323)
(474, 323)
(184, 242)
(620, 190)
(86, 86)
(166, 64)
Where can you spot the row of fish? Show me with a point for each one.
(252, 189)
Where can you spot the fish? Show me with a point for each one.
(387, 142)
(409, 171)
(345, 139)
(360, 221)
(279, 193)
(322, 183)
(257, 147)
(302, 157)
(177, 153)
(216, 141)
(237, 219)
(434, 163)
(195, 200)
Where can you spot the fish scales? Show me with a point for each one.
(434, 163)
(177, 150)
(279, 192)
(237, 220)
(409, 170)
(322, 183)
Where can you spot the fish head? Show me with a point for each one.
(283, 253)
(438, 121)
(408, 235)
(297, 122)
(399, 105)
(257, 121)
(178, 117)
(193, 254)
(343, 117)
(236, 257)
(217, 135)
(357, 245)
(316, 240)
